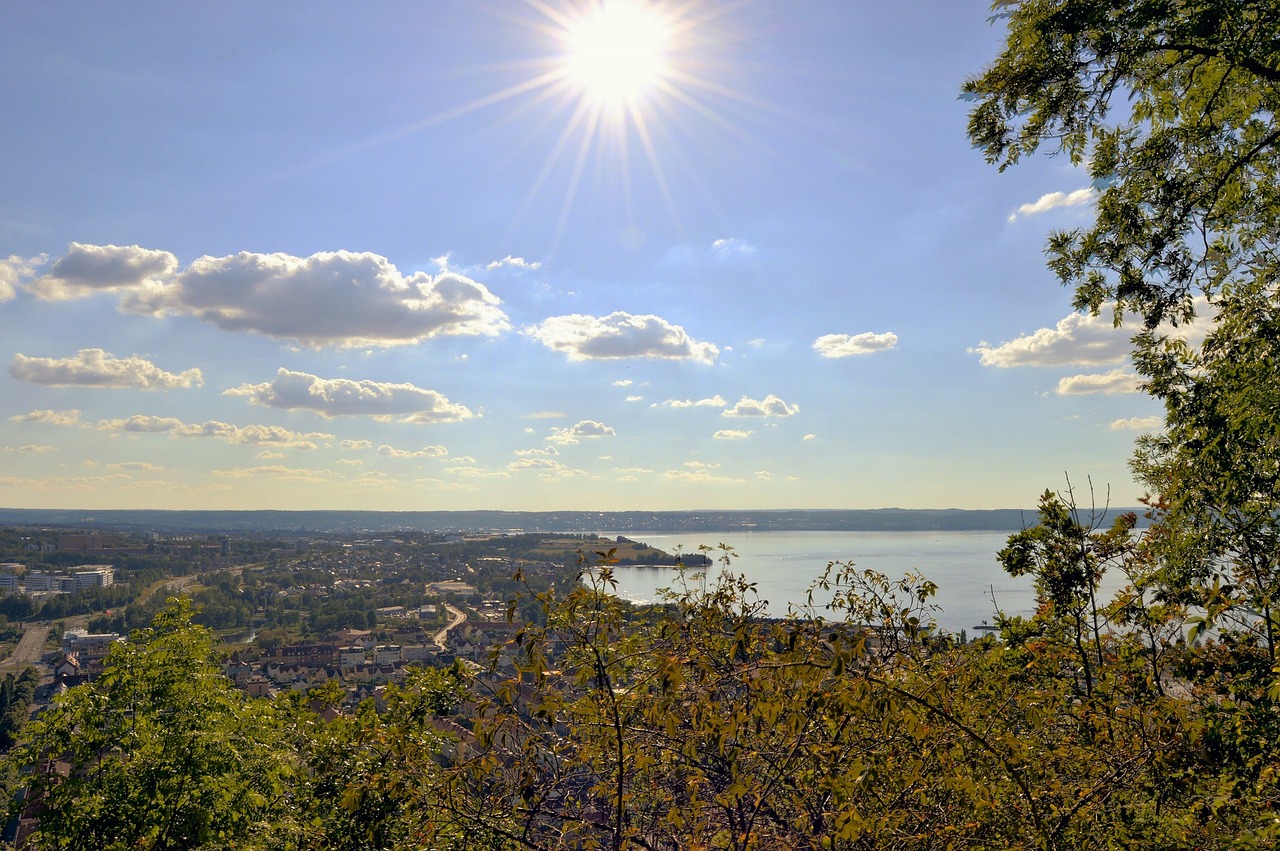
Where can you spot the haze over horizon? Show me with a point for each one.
(534, 256)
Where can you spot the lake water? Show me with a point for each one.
(785, 564)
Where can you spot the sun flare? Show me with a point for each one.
(617, 51)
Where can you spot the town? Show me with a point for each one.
(292, 613)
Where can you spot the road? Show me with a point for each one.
(29, 650)
(458, 618)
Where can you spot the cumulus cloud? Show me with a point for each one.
(810, 437)
(88, 269)
(620, 335)
(1053, 201)
(845, 345)
(15, 269)
(341, 298)
(253, 435)
(56, 418)
(337, 397)
(513, 262)
(769, 406)
(549, 452)
(1139, 423)
(549, 468)
(634, 399)
(586, 429)
(97, 368)
(356, 444)
(716, 401)
(425, 452)
(1086, 340)
(1079, 338)
(623, 382)
(37, 448)
(732, 434)
(1115, 381)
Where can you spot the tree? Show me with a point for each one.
(161, 752)
(1218, 465)
(1173, 105)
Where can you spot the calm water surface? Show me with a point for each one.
(785, 564)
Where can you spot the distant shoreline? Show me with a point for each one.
(356, 522)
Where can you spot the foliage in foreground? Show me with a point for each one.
(704, 724)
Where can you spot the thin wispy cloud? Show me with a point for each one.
(1138, 423)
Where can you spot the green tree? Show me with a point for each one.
(162, 752)
(1173, 105)
(1218, 466)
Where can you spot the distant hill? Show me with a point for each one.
(356, 522)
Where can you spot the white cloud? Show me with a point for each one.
(145, 466)
(356, 444)
(716, 401)
(285, 474)
(336, 397)
(88, 269)
(634, 399)
(620, 335)
(732, 434)
(96, 368)
(37, 447)
(341, 298)
(252, 435)
(623, 382)
(549, 452)
(810, 437)
(514, 262)
(586, 429)
(1053, 201)
(699, 473)
(769, 406)
(57, 418)
(549, 468)
(425, 452)
(1087, 340)
(271, 454)
(1115, 381)
(844, 345)
(14, 270)
(543, 415)
(732, 247)
(1139, 423)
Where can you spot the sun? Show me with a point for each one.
(616, 52)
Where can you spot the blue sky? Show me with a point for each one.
(430, 256)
